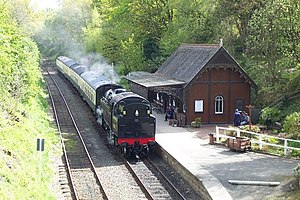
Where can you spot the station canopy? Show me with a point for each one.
(149, 80)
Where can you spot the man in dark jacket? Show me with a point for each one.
(237, 118)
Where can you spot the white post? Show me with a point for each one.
(217, 134)
(40, 166)
(238, 133)
(285, 147)
(40, 149)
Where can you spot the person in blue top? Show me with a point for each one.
(245, 118)
(237, 118)
(169, 113)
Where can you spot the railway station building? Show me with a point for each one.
(198, 80)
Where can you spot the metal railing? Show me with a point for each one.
(256, 138)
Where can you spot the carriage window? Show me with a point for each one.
(219, 104)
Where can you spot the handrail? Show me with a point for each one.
(260, 141)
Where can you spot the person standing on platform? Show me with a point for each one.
(169, 113)
(237, 118)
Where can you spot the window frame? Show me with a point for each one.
(198, 105)
(219, 105)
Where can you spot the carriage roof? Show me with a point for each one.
(79, 69)
(96, 80)
(67, 61)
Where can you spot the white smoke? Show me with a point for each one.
(63, 33)
(97, 63)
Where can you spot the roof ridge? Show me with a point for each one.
(199, 45)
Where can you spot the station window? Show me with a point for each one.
(219, 104)
(198, 105)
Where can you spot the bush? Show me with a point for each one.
(23, 116)
(270, 115)
(254, 128)
(292, 125)
(196, 123)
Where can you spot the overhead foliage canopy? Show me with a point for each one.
(263, 35)
(23, 114)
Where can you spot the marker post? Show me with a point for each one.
(40, 143)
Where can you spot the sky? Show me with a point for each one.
(44, 4)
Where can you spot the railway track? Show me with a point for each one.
(152, 181)
(82, 177)
(115, 178)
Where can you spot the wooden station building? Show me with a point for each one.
(198, 80)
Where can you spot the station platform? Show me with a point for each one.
(215, 165)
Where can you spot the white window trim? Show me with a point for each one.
(220, 100)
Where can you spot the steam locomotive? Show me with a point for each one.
(125, 116)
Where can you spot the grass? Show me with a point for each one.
(26, 174)
(292, 194)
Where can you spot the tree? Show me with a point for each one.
(273, 46)
(234, 17)
(63, 32)
(192, 22)
(138, 23)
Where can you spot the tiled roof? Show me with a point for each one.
(187, 61)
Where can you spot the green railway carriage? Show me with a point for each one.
(94, 86)
(91, 85)
(64, 65)
(75, 72)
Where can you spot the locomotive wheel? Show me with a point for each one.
(123, 151)
(146, 150)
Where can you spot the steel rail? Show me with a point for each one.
(138, 180)
(81, 139)
(169, 182)
(62, 142)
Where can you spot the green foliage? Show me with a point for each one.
(296, 170)
(23, 115)
(196, 123)
(294, 79)
(270, 115)
(198, 120)
(292, 125)
(63, 31)
(269, 42)
(253, 128)
(139, 35)
(124, 83)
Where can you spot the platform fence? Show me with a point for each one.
(257, 138)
